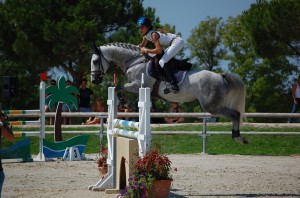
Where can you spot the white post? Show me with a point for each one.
(41, 156)
(142, 81)
(109, 180)
(204, 135)
(144, 121)
(111, 140)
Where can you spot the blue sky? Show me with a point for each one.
(187, 14)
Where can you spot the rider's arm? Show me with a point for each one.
(157, 49)
(143, 43)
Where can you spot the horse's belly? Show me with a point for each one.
(184, 95)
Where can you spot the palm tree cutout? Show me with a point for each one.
(57, 95)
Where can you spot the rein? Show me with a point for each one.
(134, 64)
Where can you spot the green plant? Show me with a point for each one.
(159, 166)
(138, 185)
(145, 171)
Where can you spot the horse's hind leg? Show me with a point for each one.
(235, 117)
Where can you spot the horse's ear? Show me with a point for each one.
(95, 48)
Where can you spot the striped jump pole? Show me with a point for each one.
(126, 133)
(21, 112)
(125, 123)
(22, 123)
(26, 133)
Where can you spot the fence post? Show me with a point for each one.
(204, 135)
(42, 118)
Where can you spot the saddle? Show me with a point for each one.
(182, 64)
(179, 68)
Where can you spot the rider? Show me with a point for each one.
(160, 38)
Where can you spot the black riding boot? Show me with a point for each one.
(171, 78)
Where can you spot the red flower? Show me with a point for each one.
(157, 165)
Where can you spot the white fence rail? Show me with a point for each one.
(203, 133)
(156, 115)
(103, 115)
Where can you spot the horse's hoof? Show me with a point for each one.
(241, 140)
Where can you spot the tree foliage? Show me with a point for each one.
(205, 44)
(267, 81)
(274, 27)
(261, 45)
(59, 33)
(36, 36)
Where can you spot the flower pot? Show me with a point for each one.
(161, 188)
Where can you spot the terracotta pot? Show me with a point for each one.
(161, 188)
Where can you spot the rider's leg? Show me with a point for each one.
(170, 77)
(170, 52)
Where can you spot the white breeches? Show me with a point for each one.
(171, 51)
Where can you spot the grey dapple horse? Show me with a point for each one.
(219, 94)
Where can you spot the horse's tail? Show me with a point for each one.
(237, 94)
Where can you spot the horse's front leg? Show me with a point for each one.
(132, 87)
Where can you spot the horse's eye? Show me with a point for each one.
(96, 61)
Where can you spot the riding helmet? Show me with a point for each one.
(144, 21)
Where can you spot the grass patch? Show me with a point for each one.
(223, 144)
(274, 145)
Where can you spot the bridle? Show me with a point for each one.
(99, 72)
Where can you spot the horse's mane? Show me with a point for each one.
(124, 45)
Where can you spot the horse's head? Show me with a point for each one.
(99, 65)
(119, 55)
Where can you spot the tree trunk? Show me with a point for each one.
(57, 126)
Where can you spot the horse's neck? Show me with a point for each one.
(120, 56)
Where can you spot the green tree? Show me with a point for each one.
(36, 36)
(205, 44)
(267, 81)
(274, 27)
(59, 94)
